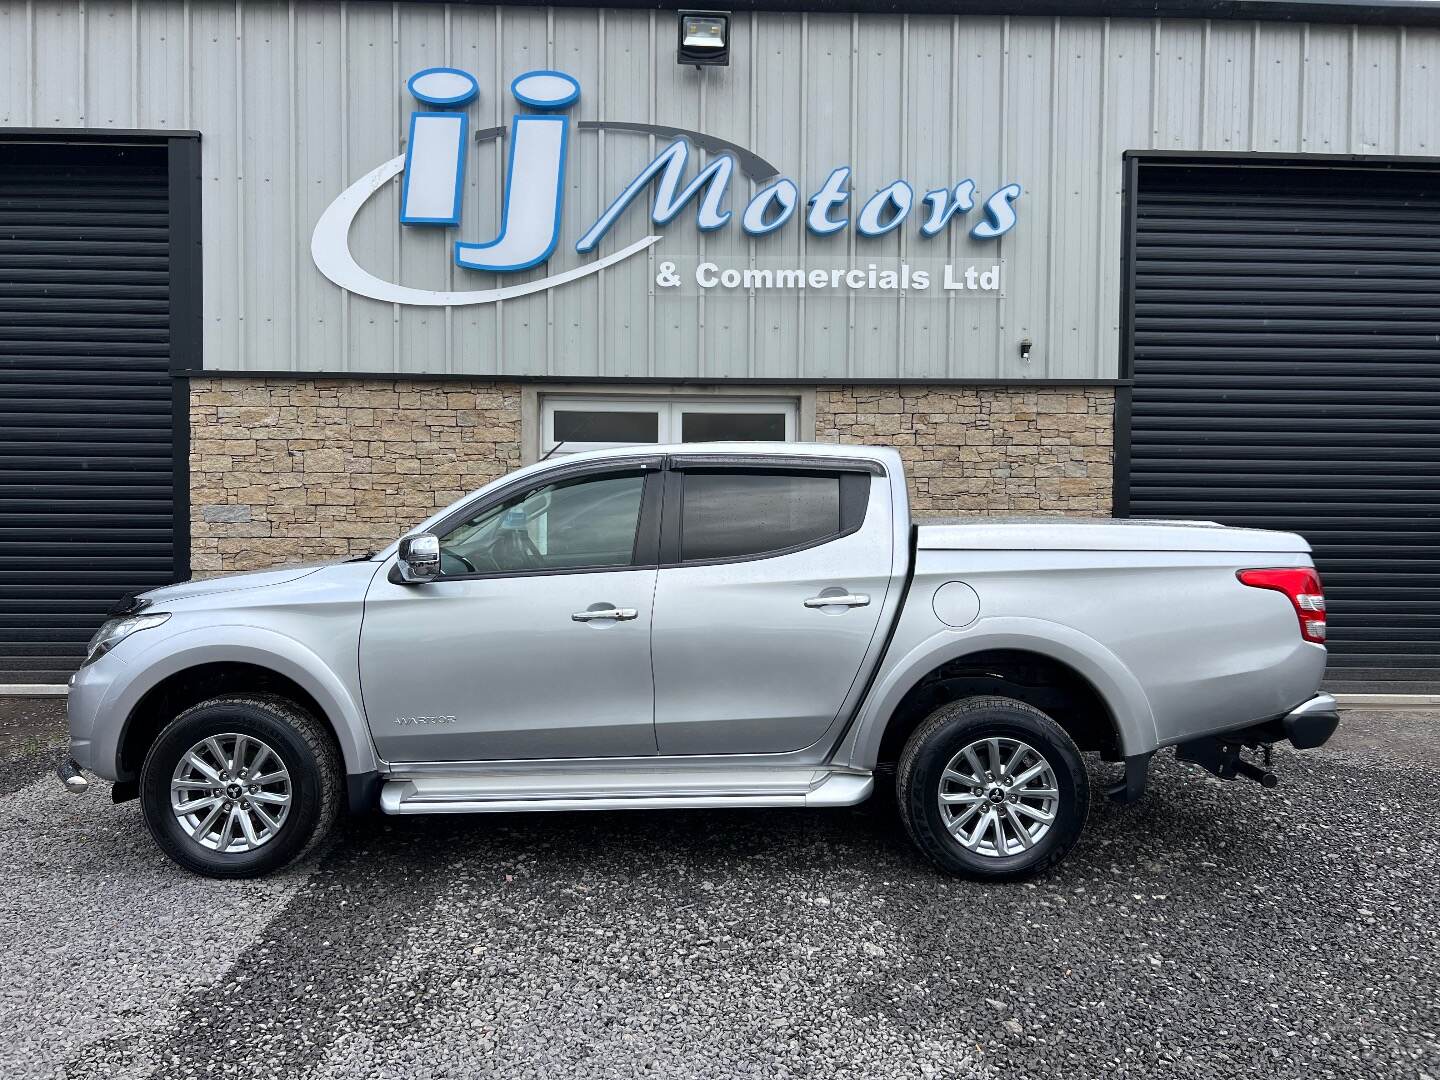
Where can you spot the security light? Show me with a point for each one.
(704, 38)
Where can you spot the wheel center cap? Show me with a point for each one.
(996, 795)
(233, 790)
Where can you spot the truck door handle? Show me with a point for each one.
(843, 600)
(619, 614)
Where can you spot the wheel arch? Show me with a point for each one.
(202, 670)
(1050, 666)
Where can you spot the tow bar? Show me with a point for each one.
(1262, 776)
(1308, 725)
(1221, 755)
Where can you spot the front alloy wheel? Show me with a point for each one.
(239, 786)
(231, 792)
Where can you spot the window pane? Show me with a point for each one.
(600, 425)
(727, 515)
(579, 523)
(721, 427)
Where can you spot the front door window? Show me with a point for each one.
(570, 525)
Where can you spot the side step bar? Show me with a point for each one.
(506, 792)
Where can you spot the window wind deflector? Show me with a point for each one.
(564, 468)
(638, 461)
(803, 462)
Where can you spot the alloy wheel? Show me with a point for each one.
(999, 797)
(231, 793)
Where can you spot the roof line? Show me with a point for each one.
(1363, 12)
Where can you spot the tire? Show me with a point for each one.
(938, 829)
(312, 786)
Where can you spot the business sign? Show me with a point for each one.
(433, 168)
(829, 275)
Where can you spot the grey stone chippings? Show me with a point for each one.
(1213, 930)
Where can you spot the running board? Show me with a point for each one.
(630, 789)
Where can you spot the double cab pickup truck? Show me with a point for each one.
(705, 625)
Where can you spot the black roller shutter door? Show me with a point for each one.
(1287, 376)
(87, 414)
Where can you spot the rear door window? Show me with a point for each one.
(735, 514)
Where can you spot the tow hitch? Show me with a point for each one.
(1261, 775)
(1221, 756)
(1308, 725)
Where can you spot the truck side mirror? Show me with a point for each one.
(419, 558)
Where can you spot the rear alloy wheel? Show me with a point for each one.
(241, 786)
(999, 796)
(992, 788)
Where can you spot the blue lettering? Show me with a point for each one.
(898, 197)
(783, 193)
(1001, 212)
(669, 165)
(832, 193)
(945, 204)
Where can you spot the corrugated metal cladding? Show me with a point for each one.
(1287, 376)
(86, 423)
(295, 102)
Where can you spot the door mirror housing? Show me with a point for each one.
(418, 560)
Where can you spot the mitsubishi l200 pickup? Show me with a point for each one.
(705, 625)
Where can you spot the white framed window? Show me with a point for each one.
(571, 423)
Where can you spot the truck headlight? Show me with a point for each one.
(117, 630)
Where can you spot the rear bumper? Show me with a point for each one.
(1311, 724)
(1308, 725)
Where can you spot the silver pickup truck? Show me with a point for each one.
(705, 625)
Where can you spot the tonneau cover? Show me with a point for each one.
(1097, 534)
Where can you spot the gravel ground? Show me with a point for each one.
(1212, 930)
(32, 739)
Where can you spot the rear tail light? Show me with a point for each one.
(1302, 586)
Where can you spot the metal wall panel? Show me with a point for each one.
(295, 101)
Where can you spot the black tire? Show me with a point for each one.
(302, 742)
(944, 734)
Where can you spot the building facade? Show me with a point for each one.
(278, 279)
